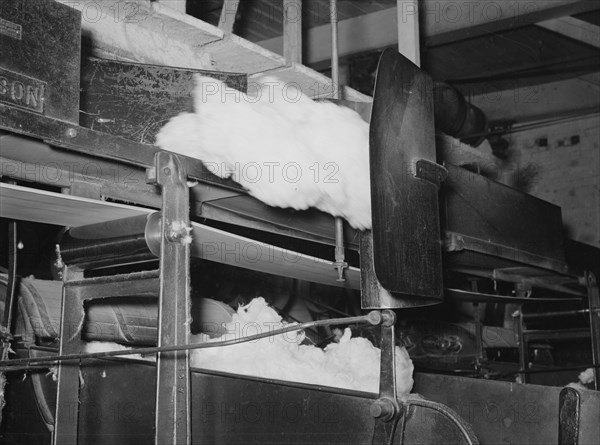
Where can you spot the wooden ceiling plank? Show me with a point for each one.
(487, 17)
(540, 102)
(441, 23)
(358, 34)
(575, 29)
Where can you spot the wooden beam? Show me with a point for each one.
(575, 29)
(145, 32)
(358, 34)
(408, 30)
(539, 102)
(228, 15)
(442, 21)
(472, 19)
(176, 5)
(292, 31)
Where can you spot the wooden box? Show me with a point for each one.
(40, 52)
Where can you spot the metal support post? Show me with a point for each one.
(66, 420)
(172, 420)
(594, 302)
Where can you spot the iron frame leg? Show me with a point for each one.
(172, 420)
(66, 420)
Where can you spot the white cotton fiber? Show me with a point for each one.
(353, 363)
(285, 148)
(586, 376)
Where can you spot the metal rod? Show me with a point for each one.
(340, 259)
(542, 371)
(373, 317)
(557, 314)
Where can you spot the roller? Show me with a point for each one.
(122, 241)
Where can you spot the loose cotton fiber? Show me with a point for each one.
(285, 148)
(353, 363)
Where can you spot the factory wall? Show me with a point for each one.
(566, 158)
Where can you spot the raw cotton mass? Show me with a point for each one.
(286, 149)
(352, 363)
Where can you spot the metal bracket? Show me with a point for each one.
(386, 410)
(172, 420)
(432, 172)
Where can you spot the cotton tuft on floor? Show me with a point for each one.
(285, 148)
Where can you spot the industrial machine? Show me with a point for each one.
(440, 233)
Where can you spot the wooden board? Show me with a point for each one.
(150, 32)
(136, 100)
(22, 203)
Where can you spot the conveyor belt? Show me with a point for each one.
(22, 203)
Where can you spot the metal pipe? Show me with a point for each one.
(335, 64)
(557, 314)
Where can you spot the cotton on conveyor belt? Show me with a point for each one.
(285, 148)
(353, 363)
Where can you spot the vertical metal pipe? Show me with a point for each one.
(340, 263)
(335, 63)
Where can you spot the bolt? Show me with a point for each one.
(389, 318)
(179, 233)
(167, 171)
(383, 409)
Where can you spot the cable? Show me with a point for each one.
(464, 428)
(373, 317)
